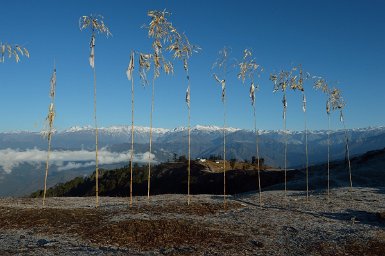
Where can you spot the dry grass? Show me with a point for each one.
(164, 226)
(373, 247)
(95, 225)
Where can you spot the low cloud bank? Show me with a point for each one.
(66, 159)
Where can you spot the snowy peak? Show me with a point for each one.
(212, 128)
(78, 129)
(123, 129)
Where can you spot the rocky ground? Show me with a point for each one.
(349, 223)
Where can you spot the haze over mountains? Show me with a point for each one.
(22, 154)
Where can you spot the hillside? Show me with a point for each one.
(368, 170)
(170, 178)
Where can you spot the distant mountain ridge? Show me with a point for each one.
(206, 141)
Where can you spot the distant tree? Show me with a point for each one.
(262, 161)
(175, 157)
(246, 161)
(253, 160)
(232, 163)
(182, 158)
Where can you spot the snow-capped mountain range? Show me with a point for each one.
(205, 141)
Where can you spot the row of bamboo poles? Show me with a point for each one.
(165, 36)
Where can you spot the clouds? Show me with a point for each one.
(66, 159)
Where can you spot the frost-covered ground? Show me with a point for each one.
(349, 223)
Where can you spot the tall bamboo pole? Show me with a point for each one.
(306, 148)
(328, 112)
(162, 31)
(221, 64)
(150, 150)
(96, 146)
(337, 102)
(347, 149)
(281, 81)
(46, 167)
(257, 150)
(286, 134)
(183, 50)
(132, 138)
(50, 119)
(188, 99)
(189, 157)
(321, 84)
(294, 85)
(130, 77)
(96, 24)
(248, 68)
(224, 150)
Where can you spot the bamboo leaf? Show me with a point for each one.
(130, 67)
(252, 93)
(188, 96)
(92, 53)
(53, 84)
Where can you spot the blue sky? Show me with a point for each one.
(341, 40)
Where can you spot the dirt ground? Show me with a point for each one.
(349, 223)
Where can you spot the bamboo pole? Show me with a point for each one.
(286, 135)
(321, 84)
(221, 64)
(188, 99)
(189, 159)
(132, 135)
(96, 24)
(149, 155)
(162, 31)
(96, 147)
(257, 150)
(46, 167)
(347, 150)
(337, 102)
(306, 151)
(248, 68)
(224, 151)
(328, 155)
(50, 118)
